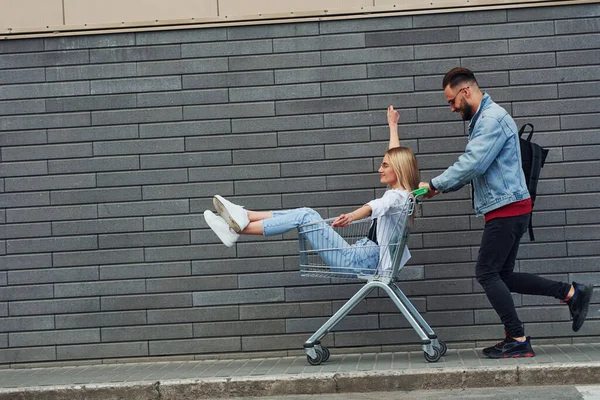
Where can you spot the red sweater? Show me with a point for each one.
(510, 210)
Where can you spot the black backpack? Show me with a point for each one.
(533, 158)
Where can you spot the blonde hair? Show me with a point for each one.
(404, 164)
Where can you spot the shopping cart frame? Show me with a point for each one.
(433, 348)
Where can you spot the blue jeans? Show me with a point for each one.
(361, 257)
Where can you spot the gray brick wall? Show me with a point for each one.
(112, 146)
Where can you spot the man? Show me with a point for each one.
(492, 162)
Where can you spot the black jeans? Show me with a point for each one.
(494, 271)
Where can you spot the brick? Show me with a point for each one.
(146, 301)
(92, 134)
(13, 231)
(96, 195)
(288, 185)
(317, 106)
(196, 314)
(143, 208)
(568, 106)
(535, 13)
(23, 168)
(346, 151)
(511, 62)
(258, 109)
(44, 152)
(177, 253)
(108, 350)
(340, 198)
(490, 47)
(507, 30)
(229, 48)
(81, 103)
(317, 136)
(52, 244)
(579, 25)
(323, 42)
(188, 221)
(44, 121)
(99, 257)
(180, 36)
(20, 324)
(185, 190)
(113, 241)
(368, 24)
(137, 53)
(25, 261)
(93, 164)
(584, 89)
(341, 182)
(14, 107)
(49, 58)
(554, 43)
(272, 31)
(53, 275)
(325, 292)
(227, 79)
(51, 213)
(272, 61)
(369, 86)
(581, 217)
(277, 155)
(27, 75)
(412, 68)
(145, 270)
(187, 97)
(234, 172)
(553, 75)
(141, 177)
(583, 248)
(25, 199)
(274, 342)
(415, 99)
(320, 74)
(208, 298)
(274, 279)
(231, 142)
(363, 118)
(54, 306)
(236, 265)
(191, 283)
(88, 72)
(270, 249)
(187, 159)
(39, 90)
(89, 42)
(260, 311)
(451, 239)
(156, 332)
(276, 123)
(34, 354)
(195, 346)
(239, 328)
(584, 57)
(358, 56)
(135, 85)
(412, 36)
(108, 288)
(142, 146)
(142, 115)
(21, 46)
(46, 338)
(459, 18)
(581, 121)
(23, 137)
(100, 319)
(589, 232)
(97, 226)
(191, 128)
(278, 92)
(178, 67)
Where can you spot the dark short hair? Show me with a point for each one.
(457, 76)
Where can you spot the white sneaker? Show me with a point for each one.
(234, 215)
(220, 227)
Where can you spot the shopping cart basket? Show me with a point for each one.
(349, 255)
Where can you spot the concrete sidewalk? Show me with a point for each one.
(557, 364)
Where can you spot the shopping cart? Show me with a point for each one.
(337, 259)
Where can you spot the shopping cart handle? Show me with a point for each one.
(420, 191)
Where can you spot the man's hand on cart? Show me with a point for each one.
(430, 192)
(343, 220)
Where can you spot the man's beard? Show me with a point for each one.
(465, 111)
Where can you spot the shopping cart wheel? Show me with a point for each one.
(435, 357)
(443, 348)
(326, 354)
(317, 360)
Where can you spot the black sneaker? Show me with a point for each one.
(511, 349)
(579, 304)
(495, 348)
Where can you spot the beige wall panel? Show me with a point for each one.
(78, 12)
(242, 7)
(427, 4)
(30, 13)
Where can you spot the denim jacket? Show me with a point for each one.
(492, 161)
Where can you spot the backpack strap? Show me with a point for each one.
(522, 130)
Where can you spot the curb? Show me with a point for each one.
(280, 385)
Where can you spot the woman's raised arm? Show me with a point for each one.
(393, 117)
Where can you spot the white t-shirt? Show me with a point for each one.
(387, 210)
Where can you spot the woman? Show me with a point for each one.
(398, 171)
